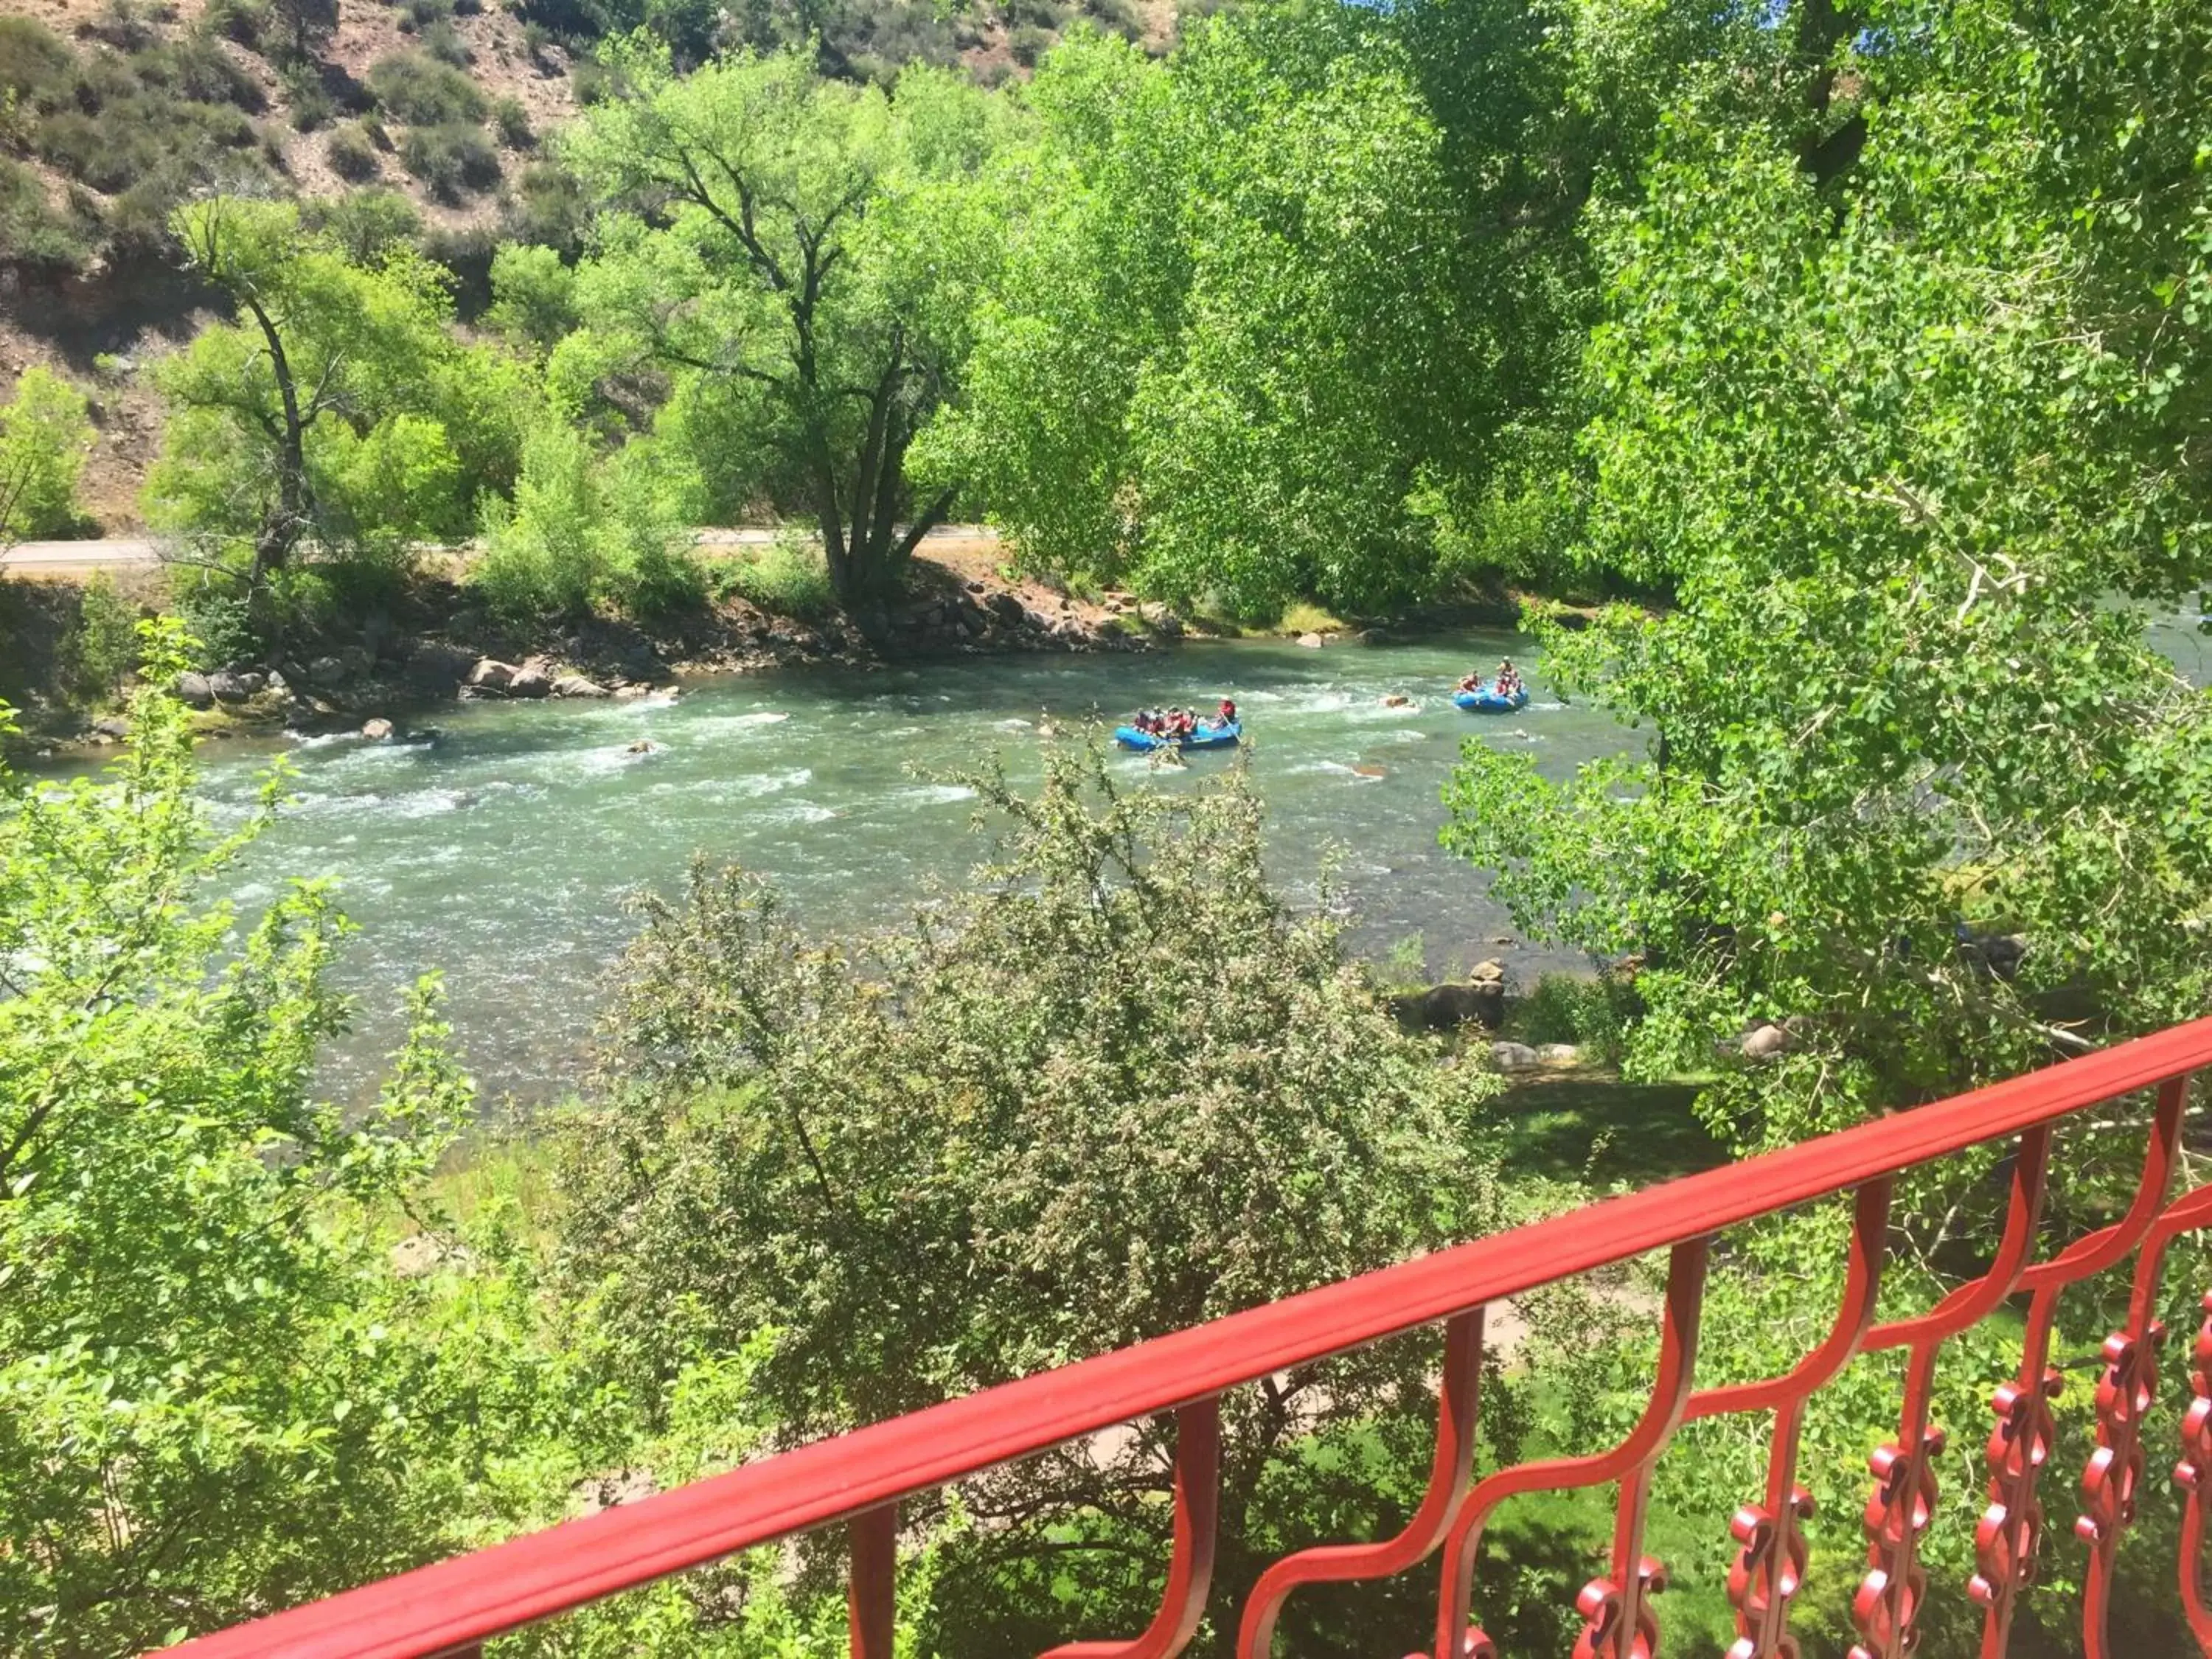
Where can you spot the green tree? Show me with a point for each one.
(1262, 306)
(807, 271)
(1114, 1087)
(214, 1397)
(1912, 449)
(43, 436)
(292, 422)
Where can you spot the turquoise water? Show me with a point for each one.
(503, 854)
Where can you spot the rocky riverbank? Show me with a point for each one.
(436, 644)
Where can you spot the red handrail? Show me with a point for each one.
(454, 1604)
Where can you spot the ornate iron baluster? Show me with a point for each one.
(2011, 1529)
(1670, 1394)
(1618, 1621)
(1771, 1563)
(1449, 1476)
(1190, 1566)
(2194, 1472)
(1903, 1502)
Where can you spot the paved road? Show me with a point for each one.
(121, 552)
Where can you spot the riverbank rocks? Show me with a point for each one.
(193, 690)
(1559, 1054)
(533, 679)
(491, 675)
(575, 685)
(1311, 642)
(231, 685)
(1764, 1043)
(326, 671)
(1514, 1057)
(1442, 1007)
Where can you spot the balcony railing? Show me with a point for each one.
(859, 1479)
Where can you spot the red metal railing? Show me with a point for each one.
(859, 1478)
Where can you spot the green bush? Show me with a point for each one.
(368, 224)
(218, 619)
(245, 22)
(32, 233)
(312, 105)
(512, 122)
(44, 435)
(123, 24)
(452, 158)
(352, 154)
(421, 13)
(789, 578)
(1028, 44)
(36, 65)
(103, 646)
(443, 42)
(534, 294)
(1565, 1008)
(419, 91)
(992, 1105)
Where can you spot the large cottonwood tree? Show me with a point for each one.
(799, 257)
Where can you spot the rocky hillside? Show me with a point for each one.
(426, 116)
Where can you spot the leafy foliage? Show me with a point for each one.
(212, 1400)
(1035, 1111)
(341, 406)
(801, 256)
(44, 435)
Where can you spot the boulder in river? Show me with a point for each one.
(1397, 699)
(491, 675)
(575, 685)
(1311, 642)
(194, 691)
(377, 730)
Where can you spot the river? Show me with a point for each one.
(503, 854)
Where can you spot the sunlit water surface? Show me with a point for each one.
(503, 854)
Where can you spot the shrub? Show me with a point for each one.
(103, 646)
(44, 435)
(218, 618)
(421, 13)
(512, 122)
(534, 294)
(123, 24)
(36, 65)
(310, 100)
(352, 156)
(1565, 1008)
(246, 21)
(419, 91)
(452, 158)
(789, 577)
(32, 233)
(1028, 44)
(547, 208)
(543, 555)
(989, 1105)
(368, 224)
(443, 42)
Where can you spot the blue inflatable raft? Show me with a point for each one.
(1485, 699)
(1209, 735)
